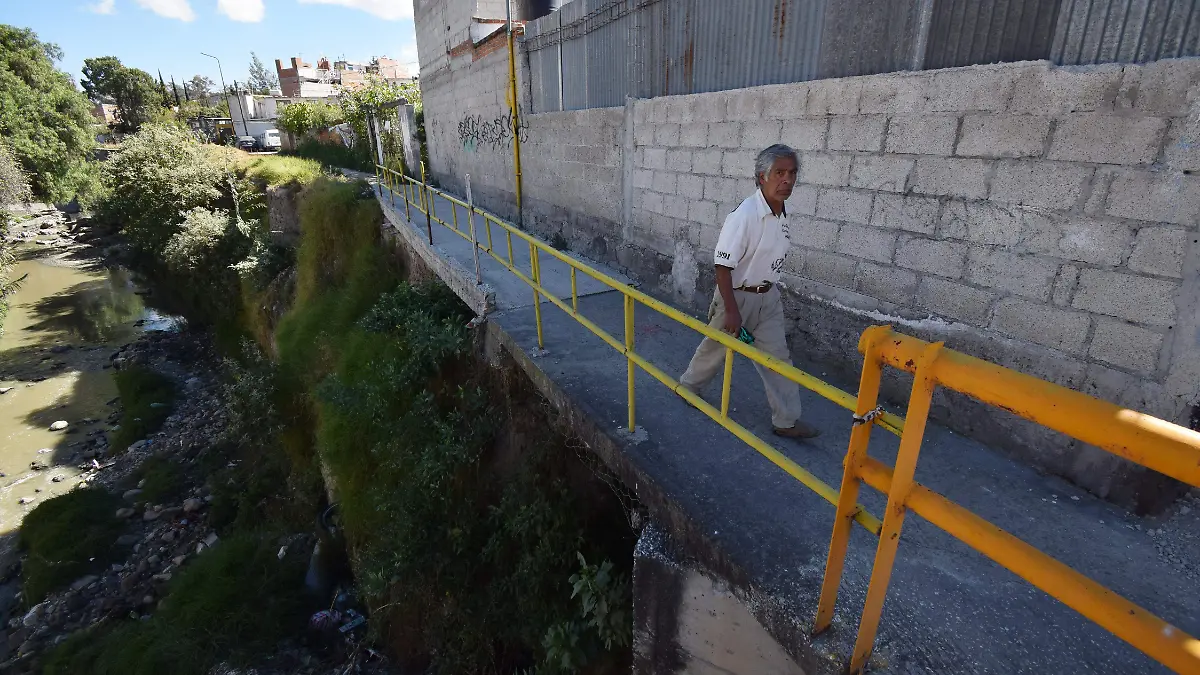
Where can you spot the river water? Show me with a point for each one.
(63, 324)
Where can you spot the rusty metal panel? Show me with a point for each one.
(544, 68)
(1126, 31)
(969, 32)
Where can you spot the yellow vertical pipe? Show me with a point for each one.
(515, 108)
(924, 382)
(628, 353)
(726, 382)
(847, 506)
(574, 293)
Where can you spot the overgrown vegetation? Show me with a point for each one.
(335, 155)
(139, 99)
(14, 189)
(147, 399)
(66, 537)
(230, 604)
(276, 170)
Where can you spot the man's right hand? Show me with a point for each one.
(733, 320)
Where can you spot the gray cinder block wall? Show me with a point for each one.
(1041, 218)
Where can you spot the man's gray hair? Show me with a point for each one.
(767, 158)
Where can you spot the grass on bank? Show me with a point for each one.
(231, 604)
(65, 538)
(334, 155)
(275, 170)
(147, 399)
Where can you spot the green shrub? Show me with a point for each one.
(66, 537)
(281, 170)
(230, 604)
(147, 399)
(164, 479)
(335, 155)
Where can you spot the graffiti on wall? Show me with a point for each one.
(476, 131)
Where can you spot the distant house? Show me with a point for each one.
(105, 113)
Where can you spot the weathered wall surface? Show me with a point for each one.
(1041, 218)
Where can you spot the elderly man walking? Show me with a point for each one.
(750, 251)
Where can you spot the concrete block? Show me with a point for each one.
(652, 202)
(894, 94)
(665, 182)
(886, 283)
(935, 256)
(817, 168)
(1030, 276)
(654, 158)
(719, 189)
(805, 134)
(803, 200)
(785, 101)
(739, 163)
(675, 206)
(905, 212)
(1167, 197)
(1126, 296)
(954, 300)
(1095, 241)
(834, 97)
(691, 186)
(710, 107)
(863, 241)
(679, 160)
(1041, 324)
(1182, 150)
(744, 104)
(643, 178)
(1126, 346)
(922, 134)
(863, 133)
(1003, 136)
(1160, 250)
(1064, 285)
(666, 134)
(1107, 139)
(983, 223)
(707, 161)
(849, 205)
(758, 134)
(677, 108)
(643, 134)
(724, 134)
(813, 232)
(702, 212)
(693, 135)
(885, 173)
(1049, 90)
(828, 267)
(1051, 185)
(972, 88)
(1161, 87)
(950, 177)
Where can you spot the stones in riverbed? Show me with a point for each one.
(150, 514)
(5, 390)
(58, 479)
(124, 513)
(25, 500)
(192, 505)
(38, 465)
(131, 495)
(128, 540)
(59, 425)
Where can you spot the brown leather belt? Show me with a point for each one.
(763, 288)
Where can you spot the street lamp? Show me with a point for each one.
(239, 98)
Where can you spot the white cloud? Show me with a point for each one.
(103, 7)
(249, 11)
(391, 10)
(171, 9)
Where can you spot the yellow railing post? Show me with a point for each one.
(428, 204)
(392, 188)
(378, 184)
(536, 270)
(726, 382)
(924, 383)
(847, 506)
(406, 187)
(574, 293)
(629, 304)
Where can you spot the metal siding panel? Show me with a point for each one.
(1123, 31)
(969, 32)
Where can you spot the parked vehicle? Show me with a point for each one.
(247, 143)
(268, 140)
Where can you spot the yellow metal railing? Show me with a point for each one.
(1151, 442)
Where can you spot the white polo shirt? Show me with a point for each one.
(753, 242)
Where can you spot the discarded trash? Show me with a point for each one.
(324, 619)
(355, 621)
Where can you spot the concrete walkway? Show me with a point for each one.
(949, 610)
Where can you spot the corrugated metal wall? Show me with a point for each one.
(600, 51)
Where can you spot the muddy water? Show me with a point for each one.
(62, 326)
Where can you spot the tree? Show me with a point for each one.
(137, 96)
(261, 81)
(199, 87)
(46, 122)
(303, 116)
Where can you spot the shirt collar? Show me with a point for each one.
(764, 209)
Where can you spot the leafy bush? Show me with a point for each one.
(156, 177)
(66, 537)
(304, 116)
(277, 170)
(335, 155)
(188, 250)
(147, 399)
(233, 602)
(14, 183)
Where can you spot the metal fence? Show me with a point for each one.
(594, 53)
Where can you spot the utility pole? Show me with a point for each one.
(226, 90)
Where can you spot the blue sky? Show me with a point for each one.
(170, 34)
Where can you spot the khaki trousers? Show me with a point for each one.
(762, 315)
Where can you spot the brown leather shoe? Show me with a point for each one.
(798, 430)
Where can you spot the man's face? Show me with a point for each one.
(778, 182)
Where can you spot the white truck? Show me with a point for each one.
(268, 140)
